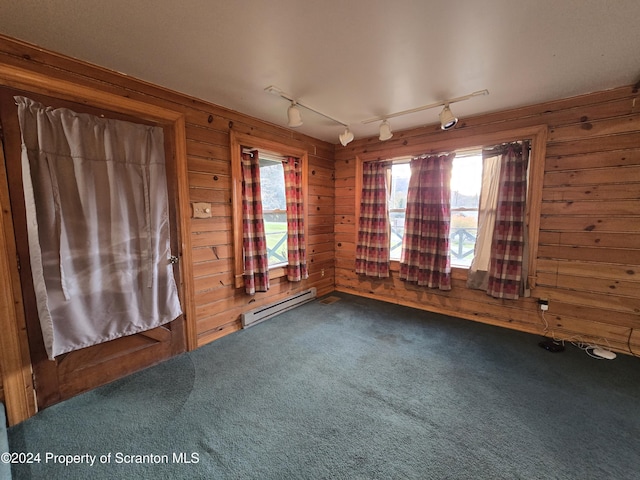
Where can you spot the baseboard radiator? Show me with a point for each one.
(265, 312)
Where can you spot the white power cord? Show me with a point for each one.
(591, 349)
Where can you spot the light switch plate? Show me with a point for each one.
(201, 210)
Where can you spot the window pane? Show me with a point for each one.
(466, 179)
(274, 209)
(400, 174)
(272, 185)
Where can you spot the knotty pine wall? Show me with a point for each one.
(218, 303)
(589, 240)
(588, 263)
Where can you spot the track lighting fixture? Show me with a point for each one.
(294, 115)
(385, 131)
(447, 119)
(346, 137)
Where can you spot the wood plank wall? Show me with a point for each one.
(589, 239)
(589, 248)
(218, 303)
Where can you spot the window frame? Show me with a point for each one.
(275, 211)
(537, 135)
(237, 141)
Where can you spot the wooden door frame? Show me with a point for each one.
(15, 363)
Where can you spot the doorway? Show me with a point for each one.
(81, 370)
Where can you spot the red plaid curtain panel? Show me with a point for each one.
(296, 247)
(372, 250)
(508, 243)
(425, 246)
(256, 264)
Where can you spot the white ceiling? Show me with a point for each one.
(350, 59)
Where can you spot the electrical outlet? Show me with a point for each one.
(322, 272)
(544, 304)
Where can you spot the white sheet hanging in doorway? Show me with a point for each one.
(98, 226)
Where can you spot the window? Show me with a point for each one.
(537, 136)
(272, 188)
(466, 179)
(400, 173)
(274, 209)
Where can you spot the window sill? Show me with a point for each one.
(277, 271)
(274, 272)
(457, 273)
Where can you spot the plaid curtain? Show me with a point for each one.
(425, 246)
(372, 250)
(296, 248)
(256, 264)
(507, 246)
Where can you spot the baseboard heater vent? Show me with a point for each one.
(261, 314)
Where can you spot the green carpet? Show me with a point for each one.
(358, 389)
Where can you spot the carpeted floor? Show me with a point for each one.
(357, 389)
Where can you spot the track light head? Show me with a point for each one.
(294, 115)
(447, 119)
(385, 131)
(346, 137)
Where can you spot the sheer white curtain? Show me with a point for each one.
(478, 275)
(98, 226)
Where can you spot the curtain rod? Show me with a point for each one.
(266, 155)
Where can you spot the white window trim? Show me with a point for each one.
(275, 159)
